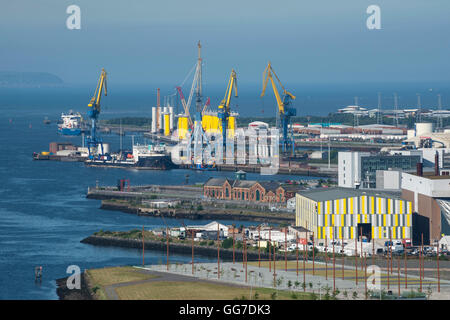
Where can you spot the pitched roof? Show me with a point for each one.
(270, 185)
(215, 182)
(243, 183)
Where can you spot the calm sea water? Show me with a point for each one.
(44, 213)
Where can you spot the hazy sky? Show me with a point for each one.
(154, 42)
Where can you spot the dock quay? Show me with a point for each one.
(208, 213)
(292, 169)
(54, 157)
(144, 191)
(190, 204)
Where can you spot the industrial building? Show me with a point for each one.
(429, 192)
(358, 169)
(424, 135)
(344, 213)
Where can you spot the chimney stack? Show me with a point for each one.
(436, 164)
(420, 169)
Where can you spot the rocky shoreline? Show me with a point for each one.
(65, 293)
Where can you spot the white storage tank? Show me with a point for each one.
(105, 148)
(171, 118)
(153, 119)
(424, 128)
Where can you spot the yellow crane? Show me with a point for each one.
(285, 111)
(94, 111)
(224, 107)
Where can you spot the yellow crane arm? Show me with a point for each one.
(232, 84)
(95, 101)
(269, 73)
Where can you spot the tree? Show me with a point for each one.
(227, 243)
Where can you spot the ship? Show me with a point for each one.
(70, 124)
(150, 157)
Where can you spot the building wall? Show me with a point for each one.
(349, 168)
(426, 207)
(305, 212)
(227, 192)
(388, 179)
(390, 218)
(423, 192)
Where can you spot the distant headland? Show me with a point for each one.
(14, 79)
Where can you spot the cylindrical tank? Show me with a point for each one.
(411, 133)
(423, 128)
(171, 118)
(182, 126)
(166, 124)
(205, 122)
(153, 119)
(214, 121)
(105, 148)
(231, 126)
(161, 120)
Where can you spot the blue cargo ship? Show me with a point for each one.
(70, 125)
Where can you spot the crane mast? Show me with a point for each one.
(285, 111)
(93, 141)
(198, 87)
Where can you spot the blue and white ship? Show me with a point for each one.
(71, 124)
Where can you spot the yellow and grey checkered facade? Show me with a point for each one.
(389, 217)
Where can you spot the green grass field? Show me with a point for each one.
(199, 290)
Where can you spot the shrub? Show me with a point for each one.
(227, 243)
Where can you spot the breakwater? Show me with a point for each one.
(181, 248)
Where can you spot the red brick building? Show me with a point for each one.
(247, 190)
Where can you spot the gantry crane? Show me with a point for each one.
(224, 107)
(285, 111)
(93, 141)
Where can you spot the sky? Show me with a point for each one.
(141, 42)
